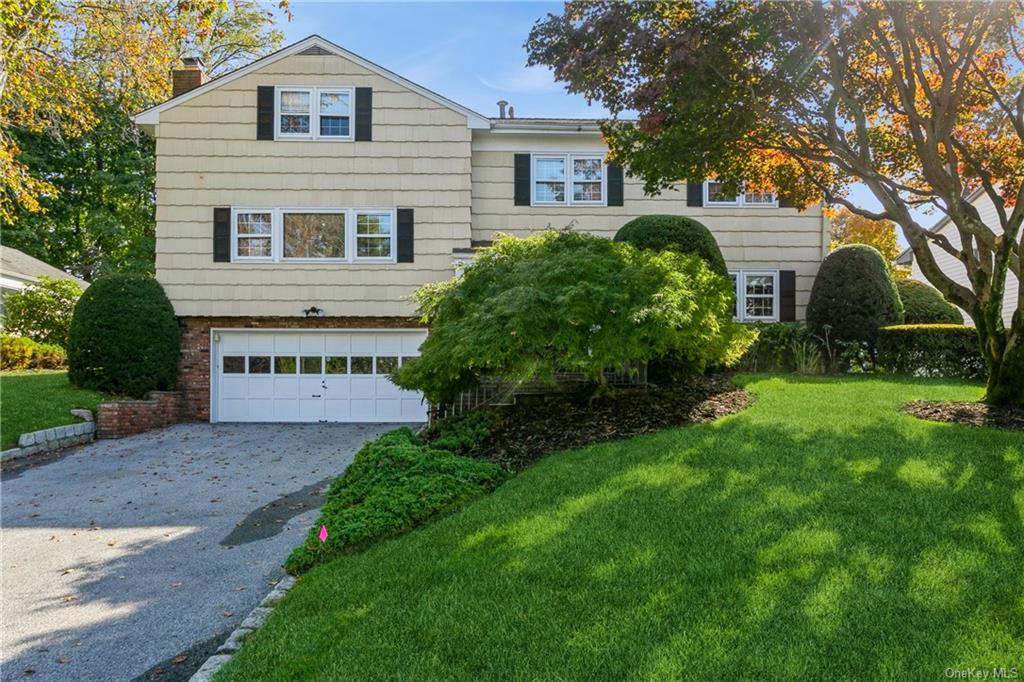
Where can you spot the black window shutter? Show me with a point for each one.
(784, 202)
(787, 296)
(222, 235)
(615, 188)
(522, 175)
(364, 114)
(695, 194)
(265, 112)
(405, 235)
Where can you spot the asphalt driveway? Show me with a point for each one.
(121, 557)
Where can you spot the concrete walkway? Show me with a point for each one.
(120, 557)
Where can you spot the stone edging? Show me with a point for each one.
(234, 641)
(50, 440)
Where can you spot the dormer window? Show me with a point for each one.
(313, 113)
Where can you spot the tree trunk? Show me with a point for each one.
(1003, 352)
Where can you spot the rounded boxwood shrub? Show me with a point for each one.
(931, 350)
(923, 304)
(682, 234)
(124, 337)
(854, 295)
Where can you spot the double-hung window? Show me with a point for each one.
(715, 195)
(314, 235)
(308, 113)
(757, 295)
(568, 179)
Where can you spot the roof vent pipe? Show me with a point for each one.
(511, 112)
(501, 108)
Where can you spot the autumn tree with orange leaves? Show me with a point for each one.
(922, 102)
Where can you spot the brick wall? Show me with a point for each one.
(194, 363)
(119, 418)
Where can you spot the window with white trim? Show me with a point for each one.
(568, 180)
(343, 235)
(715, 195)
(757, 295)
(313, 113)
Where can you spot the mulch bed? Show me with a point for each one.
(535, 427)
(971, 414)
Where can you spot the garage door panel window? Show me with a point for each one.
(311, 364)
(337, 365)
(284, 365)
(344, 235)
(387, 364)
(234, 364)
(362, 364)
(259, 364)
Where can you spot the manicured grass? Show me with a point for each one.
(820, 534)
(30, 401)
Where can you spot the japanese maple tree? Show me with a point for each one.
(921, 102)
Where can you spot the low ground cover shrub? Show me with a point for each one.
(395, 483)
(853, 296)
(564, 301)
(461, 434)
(931, 350)
(19, 352)
(682, 234)
(923, 304)
(42, 311)
(124, 337)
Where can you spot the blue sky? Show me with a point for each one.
(471, 52)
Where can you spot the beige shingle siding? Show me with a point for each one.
(208, 156)
(956, 270)
(750, 238)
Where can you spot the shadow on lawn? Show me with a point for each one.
(872, 546)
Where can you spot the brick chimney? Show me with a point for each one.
(189, 77)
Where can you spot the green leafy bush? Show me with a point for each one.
(682, 234)
(18, 352)
(462, 433)
(124, 337)
(931, 350)
(773, 351)
(854, 295)
(43, 310)
(563, 301)
(395, 484)
(923, 304)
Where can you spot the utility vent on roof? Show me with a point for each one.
(315, 50)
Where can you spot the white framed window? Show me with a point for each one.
(757, 295)
(568, 180)
(715, 195)
(313, 113)
(313, 235)
(375, 235)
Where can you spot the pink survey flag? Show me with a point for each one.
(323, 533)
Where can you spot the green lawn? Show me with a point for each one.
(820, 534)
(30, 401)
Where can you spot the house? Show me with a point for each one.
(302, 198)
(18, 270)
(954, 268)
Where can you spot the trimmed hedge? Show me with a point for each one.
(676, 232)
(19, 352)
(124, 337)
(923, 304)
(854, 294)
(396, 483)
(931, 350)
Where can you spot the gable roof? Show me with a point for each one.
(316, 45)
(19, 265)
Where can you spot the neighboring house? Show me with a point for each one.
(19, 270)
(301, 199)
(952, 267)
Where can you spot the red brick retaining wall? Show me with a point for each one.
(194, 363)
(119, 418)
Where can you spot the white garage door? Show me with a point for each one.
(336, 376)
